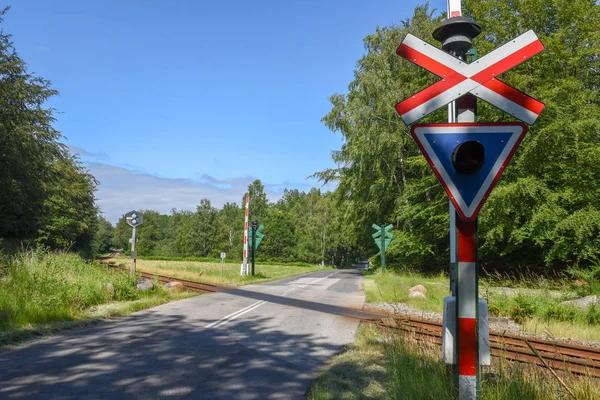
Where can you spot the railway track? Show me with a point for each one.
(576, 359)
(193, 286)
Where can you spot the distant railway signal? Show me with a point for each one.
(133, 219)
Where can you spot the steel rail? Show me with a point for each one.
(576, 359)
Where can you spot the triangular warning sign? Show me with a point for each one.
(468, 192)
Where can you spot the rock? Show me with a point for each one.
(416, 294)
(173, 286)
(144, 284)
(109, 288)
(418, 288)
(499, 320)
(584, 302)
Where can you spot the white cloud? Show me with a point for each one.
(124, 188)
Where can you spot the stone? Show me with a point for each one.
(173, 286)
(144, 284)
(418, 288)
(499, 320)
(416, 294)
(584, 302)
(109, 288)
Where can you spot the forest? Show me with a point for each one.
(544, 215)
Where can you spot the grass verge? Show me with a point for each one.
(381, 364)
(210, 272)
(536, 307)
(42, 293)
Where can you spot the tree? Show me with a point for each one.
(103, 239)
(204, 228)
(46, 195)
(381, 175)
(545, 210)
(258, 200)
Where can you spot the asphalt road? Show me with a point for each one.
(259, 342)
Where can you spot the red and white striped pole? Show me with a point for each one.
(454, 8)
(467, 327)
(245, 260)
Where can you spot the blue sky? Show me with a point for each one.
(171, 101)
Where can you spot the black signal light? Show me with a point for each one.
(468, 157)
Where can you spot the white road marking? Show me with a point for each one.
(232, 316)
(260, 303)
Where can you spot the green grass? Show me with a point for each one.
(392, 287)
(226, 261)
(385, 365)
(537, 311)
(43, 292)
(210, 272)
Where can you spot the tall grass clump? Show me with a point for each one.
(40, 287)
(382, 364)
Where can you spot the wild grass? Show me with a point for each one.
(42, 292)
(532, 302)
(384, 365)
(393, 287)
(210, 272)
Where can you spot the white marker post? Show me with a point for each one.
(133, 219)
(223, 255)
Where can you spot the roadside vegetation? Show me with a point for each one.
(381, 364)
(43, 292)
(529, 300)
(210, 272)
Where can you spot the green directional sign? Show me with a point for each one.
(383, 238)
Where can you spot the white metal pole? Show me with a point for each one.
(454, 10)
(132, 268)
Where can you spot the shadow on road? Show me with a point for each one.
(155, 356)
(151, 355)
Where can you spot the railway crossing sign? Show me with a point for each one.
(223, 255)
(383, 238)
(387, 236)
(478, 78)
(259, 237)
(134, 219)
(468, 158)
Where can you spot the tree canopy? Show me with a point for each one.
(47, 196)
(545, 210)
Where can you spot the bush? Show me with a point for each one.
(523, 308)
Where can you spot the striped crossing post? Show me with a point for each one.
(467, 311)
(245, 259)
